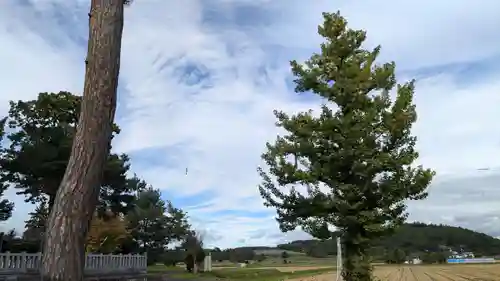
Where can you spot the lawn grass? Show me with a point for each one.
(252, 274)
(160, 268)
(297, 260)
(279, 263)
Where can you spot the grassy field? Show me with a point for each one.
(256, 274)
(277, 252)
(479, 272)
(273, 258)
(297, 260)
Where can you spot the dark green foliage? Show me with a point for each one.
(6, 206)
(35, 225)
(434, 257)
(9, 242)
(241, 254)
(285, 256)
(418, 237)
(317, 251)
(173, 257)
(355, 156)
(190, 262)
(414, 239)
(396, 256)
(154, 223)
(195, 254)
(41, 136)
(308, 246)
(130, 246)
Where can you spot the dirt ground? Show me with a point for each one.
(481, 272)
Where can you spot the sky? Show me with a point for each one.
(200, 79)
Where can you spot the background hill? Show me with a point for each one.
(432, 243)
(412, 238)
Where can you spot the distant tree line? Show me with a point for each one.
(235, 255)
(428, 241)
(131, 217)
(150, 226)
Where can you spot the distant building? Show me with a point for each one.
(464, 255)
(416, 261)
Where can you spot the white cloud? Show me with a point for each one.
(218, 128)
(31, 62)
(457, 128)
(413, 33)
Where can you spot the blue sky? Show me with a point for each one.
(199, 81)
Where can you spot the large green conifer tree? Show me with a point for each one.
(355, 156)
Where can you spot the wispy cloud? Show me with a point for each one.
(200, 79)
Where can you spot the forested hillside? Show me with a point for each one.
(413, 238)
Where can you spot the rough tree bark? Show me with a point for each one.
(76, 199)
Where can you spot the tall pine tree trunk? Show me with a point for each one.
(357, 263)
(76, 199)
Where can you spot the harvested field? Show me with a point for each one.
(478, 272)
